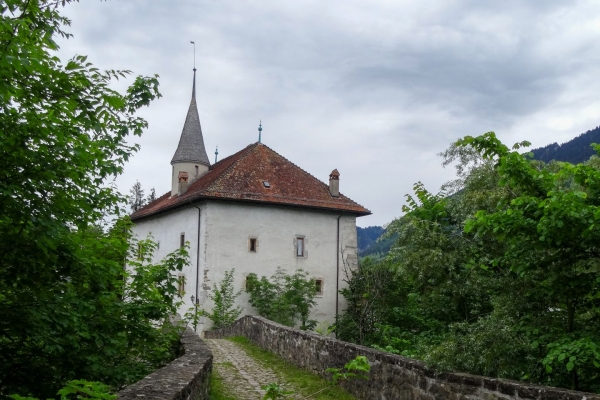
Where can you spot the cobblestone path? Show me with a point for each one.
(242, 375)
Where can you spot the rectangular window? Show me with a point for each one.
(300, 247)
(139, 251)
(319, 286)
(196, 171)
(252, 245)
(182, 240)
(181, 285)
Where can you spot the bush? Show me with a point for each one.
(286, 299)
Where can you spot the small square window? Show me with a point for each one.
(181, 285)
(266, 184)
(182, 240)
(300, 247)
(318, 287)
(252, 245)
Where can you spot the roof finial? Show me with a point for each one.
(216, 154)
(259, 131)
(194, 86)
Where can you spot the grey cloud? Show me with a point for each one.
(375, 89)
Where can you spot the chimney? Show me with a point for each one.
(334, 183)
(183, 182)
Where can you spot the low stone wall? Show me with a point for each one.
(187, 377)
(392, 377)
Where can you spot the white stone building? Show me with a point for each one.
(253, 211)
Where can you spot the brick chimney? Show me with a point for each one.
(334, 183)
(183, 182)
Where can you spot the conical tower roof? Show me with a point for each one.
(191, 143)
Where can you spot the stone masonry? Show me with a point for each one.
(186, 378)
(392, 377)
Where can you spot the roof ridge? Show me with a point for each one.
(228, 157)
(309, 174)
(244, 154)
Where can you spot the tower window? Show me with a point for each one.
(196, 170)
(318, 287)
(182, 240)
(252, 245)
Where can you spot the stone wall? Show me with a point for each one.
(392, 377)
(187, 377)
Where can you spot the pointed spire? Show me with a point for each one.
(259, 131)
(216, 154)
(194, 86)
(191, 143)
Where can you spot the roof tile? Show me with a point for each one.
(240, 177)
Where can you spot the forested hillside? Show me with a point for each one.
(373, 242)
(574, 151)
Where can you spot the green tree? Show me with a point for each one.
(151, 196)
(498, 274)
(224, 312)
(550, 233)
(136, 197)
(63, 138)
(284, 298)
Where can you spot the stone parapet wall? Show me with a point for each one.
(392, 377)
(186, 378)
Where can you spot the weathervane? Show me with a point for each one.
(259, 131)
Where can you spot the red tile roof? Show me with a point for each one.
(241, 177)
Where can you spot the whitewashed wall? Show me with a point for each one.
(165, 229)
(226, 228)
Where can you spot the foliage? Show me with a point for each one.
(283, 298)
(368, 294)
(324, 329)
(223, 312)
(68, 309)
(136, 200)
(357, 368)
(498, 274)
(151, 196)
(274, 391)
(79, 389)
(366, 237)
(374, 241)
(96, 320)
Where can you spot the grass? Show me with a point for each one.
(303, 381)
(217, 387)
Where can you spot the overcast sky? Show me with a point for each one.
(373, 88)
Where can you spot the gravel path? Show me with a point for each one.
(242, 375)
